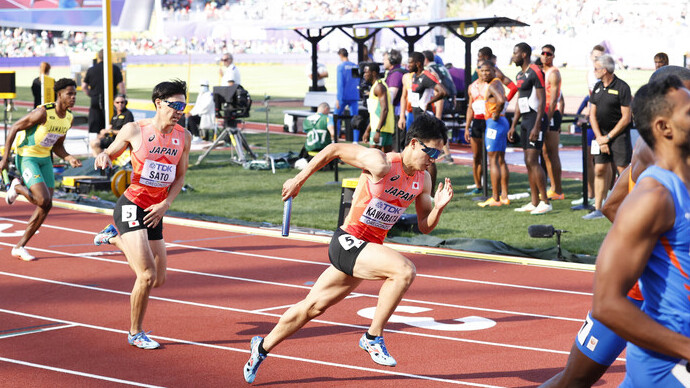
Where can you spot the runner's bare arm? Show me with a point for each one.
(128, 135)
(36, 117)
(371, 160)
(428, 212)
(554, 80)
(646, 214)
(61, 152)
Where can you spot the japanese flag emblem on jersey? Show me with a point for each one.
(133, 224)
(415, 185)
(176, 141)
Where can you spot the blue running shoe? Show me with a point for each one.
(104, 236)
(255, 360)
(377, 350)
(141, 341)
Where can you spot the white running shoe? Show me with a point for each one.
(255, 359)
(12, 194)
(377, 350)
(142, 341)
(542, 208)
(526, 208)
(22, 254)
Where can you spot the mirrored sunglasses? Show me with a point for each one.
(177, 105)
(432, 152)
(546, 53)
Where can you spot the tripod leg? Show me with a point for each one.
(208, 151)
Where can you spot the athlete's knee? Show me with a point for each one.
(406, 272)
(147, 277)
(159, 281)
(45, 203)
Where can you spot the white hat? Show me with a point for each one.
(204, 82)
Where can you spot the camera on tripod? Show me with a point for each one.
(231, 103)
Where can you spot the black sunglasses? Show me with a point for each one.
(432, 152)
(177, 105)
(546, 53)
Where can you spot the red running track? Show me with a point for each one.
(467, 322)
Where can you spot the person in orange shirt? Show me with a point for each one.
(160, 156)
(389, 183)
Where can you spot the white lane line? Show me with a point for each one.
(77, 373)
(263, 282)
(269, 257)
(34, 331)
(287, 306)
(331, 323)
(273, 355)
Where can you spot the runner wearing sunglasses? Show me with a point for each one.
(388, 185)
(160, 155)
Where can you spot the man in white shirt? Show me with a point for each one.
(230, 73)
(321, 74)
(202, 117)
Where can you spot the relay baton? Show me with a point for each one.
(6, 179)
(287, 210)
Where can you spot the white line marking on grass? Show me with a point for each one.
(76, 373)
(273, 355)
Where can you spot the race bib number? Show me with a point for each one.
(50, 139)
(584, 330)
(157, 174)
(414, 99)
(491, 133)
(595, 150)
(479, 107)
(523, 104)
(381, 214)
(348, 242)
(129, 213)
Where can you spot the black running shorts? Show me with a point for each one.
(129, 217)
(343, 251)
(526, 126)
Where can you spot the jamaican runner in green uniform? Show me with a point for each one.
(40, 132)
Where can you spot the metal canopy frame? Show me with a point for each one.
(314, 32)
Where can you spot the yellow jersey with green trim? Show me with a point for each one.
(374, 108)
(38, 141)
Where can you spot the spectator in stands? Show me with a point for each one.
(554, 117)
(611, 121)
(230, 73)
(347, 94)
(42, 86)
(202, 117)
(106, 136)
(320, 131)
(660, 60)
(321, 75)
(93, 87)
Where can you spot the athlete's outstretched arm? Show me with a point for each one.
(36, 117)
(371, 160)
(645, 215)
(61, 152)
(128, 132)
(428, 213)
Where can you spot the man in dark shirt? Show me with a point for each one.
(531, 103)
(93, 87)
(394, 74)
(106, 136)
(610, 118)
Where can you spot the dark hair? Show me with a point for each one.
(486, 51)
(662, 57)
(373, 67)
(394, 57)
(417, 57)
(124, 97)
(343, 52)
(550, 47)
(599, 48)
(650, 101)
(429, 55)
(681, 72)
(524, 48)
(63, 83)
(167, 89)
(427, 127)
